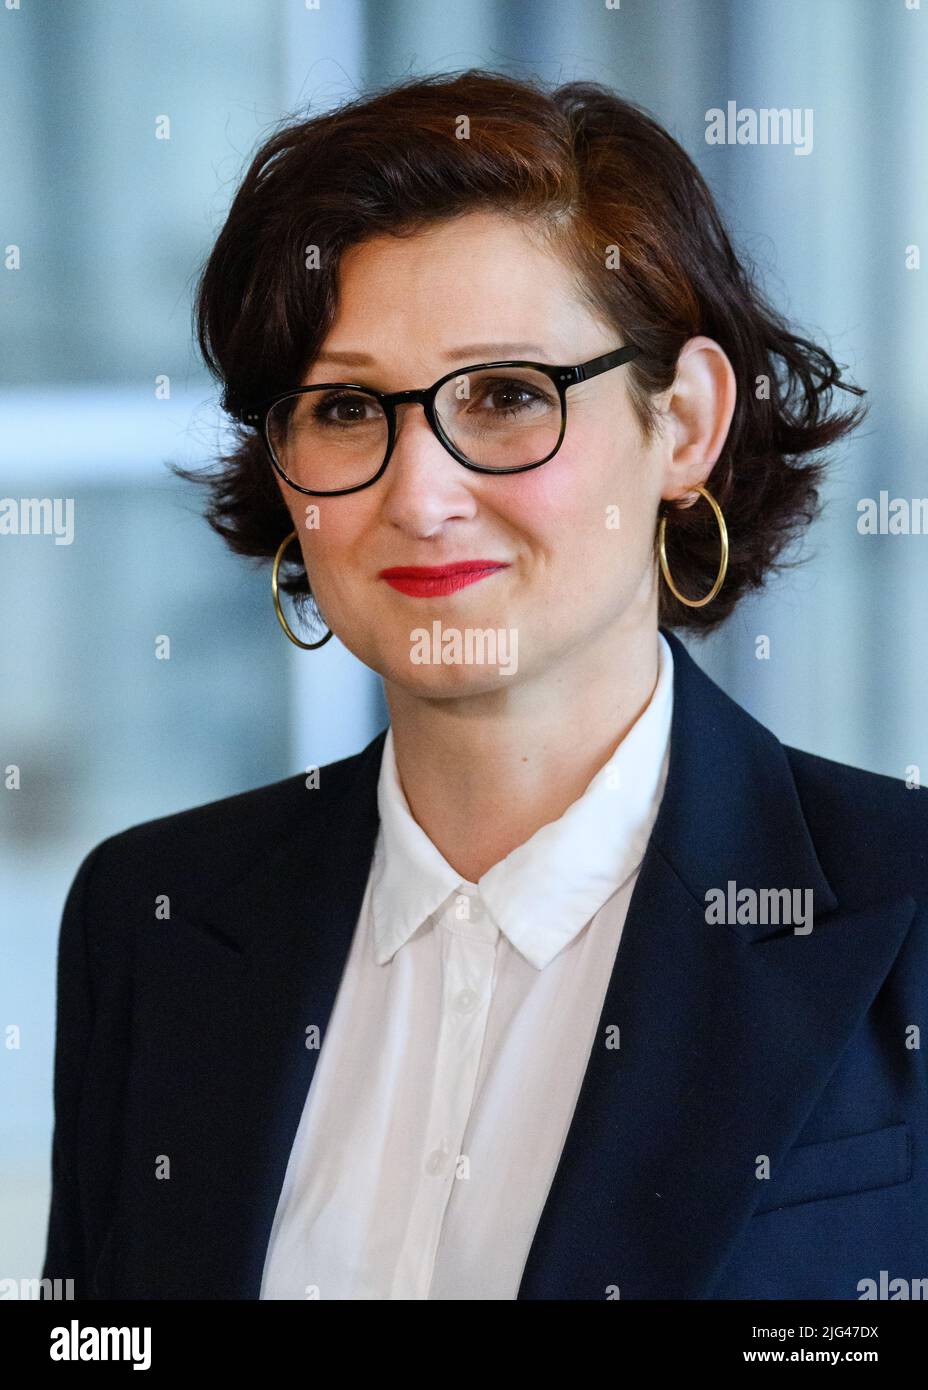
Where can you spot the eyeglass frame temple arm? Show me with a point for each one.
(617, 358)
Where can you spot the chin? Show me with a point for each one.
(446, 681)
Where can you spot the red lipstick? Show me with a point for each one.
(426, 581)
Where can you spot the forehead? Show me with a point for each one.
(476, 275)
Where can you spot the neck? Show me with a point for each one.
(483, 773)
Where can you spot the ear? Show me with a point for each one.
(699, 410)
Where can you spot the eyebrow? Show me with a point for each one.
(485, 351)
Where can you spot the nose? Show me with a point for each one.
(424, 484)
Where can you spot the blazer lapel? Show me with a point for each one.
(302, 915)
(727, 1033)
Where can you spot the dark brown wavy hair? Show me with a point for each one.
(593, 172)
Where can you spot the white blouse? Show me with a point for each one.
(458, 1042)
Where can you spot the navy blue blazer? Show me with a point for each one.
(181, 1041)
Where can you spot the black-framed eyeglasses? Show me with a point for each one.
(333, 438)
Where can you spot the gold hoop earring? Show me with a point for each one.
(723, 563)
(275, 576)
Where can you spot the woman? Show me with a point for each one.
(575, 983)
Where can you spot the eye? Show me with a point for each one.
(510, 396)
(345, 408)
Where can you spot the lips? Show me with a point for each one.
(423, 581)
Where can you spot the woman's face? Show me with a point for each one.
(575, 535)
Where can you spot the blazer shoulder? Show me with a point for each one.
(870, 830)
(231, 831)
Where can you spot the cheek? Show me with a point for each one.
(586, 495)
(330, 542)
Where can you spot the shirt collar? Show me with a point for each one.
(546, 890)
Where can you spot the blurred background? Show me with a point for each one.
(103, 228)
